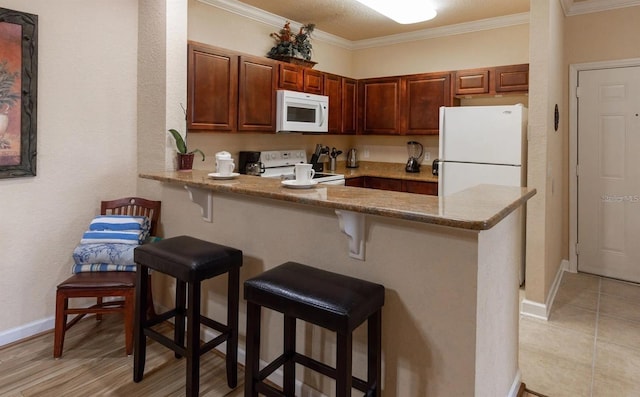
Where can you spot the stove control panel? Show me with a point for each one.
(281, 158)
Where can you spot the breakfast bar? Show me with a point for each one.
(449, 265)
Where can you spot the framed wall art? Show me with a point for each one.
(18, 93)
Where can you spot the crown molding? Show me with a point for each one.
(571, 8)
(450, 30)
(274, 20)
(277, 21)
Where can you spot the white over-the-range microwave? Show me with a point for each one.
(301, 112)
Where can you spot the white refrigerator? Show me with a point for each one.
(483, 145)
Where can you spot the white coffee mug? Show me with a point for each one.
(304, 173)
(223, 155)
(225, 167)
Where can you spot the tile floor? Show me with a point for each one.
(590, 346)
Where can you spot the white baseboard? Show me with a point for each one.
(539, 310)
(515, 386)
(26, 331)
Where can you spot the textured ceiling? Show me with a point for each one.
(353, 21)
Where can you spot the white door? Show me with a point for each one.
(609, 172)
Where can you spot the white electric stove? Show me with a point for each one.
(281, 163)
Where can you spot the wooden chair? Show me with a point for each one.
(100, 285)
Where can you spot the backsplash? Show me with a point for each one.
(391, 149)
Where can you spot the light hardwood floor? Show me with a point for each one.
(93, 363)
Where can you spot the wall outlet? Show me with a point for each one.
(427, 156)
(365, 153)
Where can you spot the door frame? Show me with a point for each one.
(574, 69)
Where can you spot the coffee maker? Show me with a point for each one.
(415, 150)
(249, 163)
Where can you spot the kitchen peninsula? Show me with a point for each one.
(449, 264)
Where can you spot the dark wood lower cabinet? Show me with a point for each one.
(397, 185)
(430, 188)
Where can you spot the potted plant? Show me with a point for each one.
(8, 98)
(185, 156)
(291, 47)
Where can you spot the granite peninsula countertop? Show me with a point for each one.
(477, 208)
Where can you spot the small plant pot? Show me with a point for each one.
(185, 161)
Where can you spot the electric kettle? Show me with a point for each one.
(352, 158)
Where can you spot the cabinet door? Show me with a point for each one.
(430, 188)
(349, 105)
(512, 78)
(212, 84)
(474, 81)
(289, 77)
(257, 94)
(355, 182)
(313, 81)
(380, 106)
(423, 96)
(333, 89)
(372, 182)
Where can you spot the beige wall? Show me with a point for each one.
(548, 79)
(504, 46)
(602, 36)
(87, 84)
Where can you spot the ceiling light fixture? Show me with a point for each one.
(402, 11)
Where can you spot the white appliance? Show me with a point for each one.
(281, 164)
(483, 145)
(301, 112)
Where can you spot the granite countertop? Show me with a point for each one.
(478, 208)
(383, 170)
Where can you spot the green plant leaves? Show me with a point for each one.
(180, 144)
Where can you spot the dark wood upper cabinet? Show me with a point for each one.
(349, 105)
(212, 89)
(342, 103)
(257, 94)
(423, 95)
(333, 89)
(297, 78)
(289, 77)
(473, 81)
(231, 91)
(379, 105)
(512, 78)
(313, 81)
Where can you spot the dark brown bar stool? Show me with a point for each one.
(190, 261)
(330, 300)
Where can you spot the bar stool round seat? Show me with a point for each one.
(190, 261)
(333, 301)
